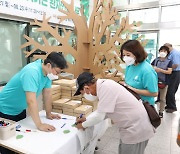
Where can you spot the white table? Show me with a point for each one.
(55, 142)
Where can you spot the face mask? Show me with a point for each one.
(129, 60)
(162, 54)
(52, 76)
(90, 97)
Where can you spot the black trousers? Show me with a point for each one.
(16, 118)
(172, 89)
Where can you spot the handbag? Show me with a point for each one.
(153, 115)
(150, 109)
(161, 85)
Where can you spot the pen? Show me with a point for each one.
(20, 131)
(63, 125)
(26, 131)
(67, 119)
(18, 126)
(29, 130)
(81, 115)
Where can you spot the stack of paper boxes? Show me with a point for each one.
(83, 109)
(56, 92)
(65, 102)
(68, 107)
(58, 105)
(66, 87)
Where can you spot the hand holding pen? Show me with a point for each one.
(80, 119)
(79, 122)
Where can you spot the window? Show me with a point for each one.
(170, 36)
(151, 46)
(37, 36)
(120, 2)
(12, 57)
(169, 1)
(145, 15)
(122, 14)
(140, 1)
(170, 13)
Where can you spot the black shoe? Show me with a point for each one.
(161, 114)
(157, 101)
(170, 110)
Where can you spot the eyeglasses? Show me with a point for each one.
(57, 70)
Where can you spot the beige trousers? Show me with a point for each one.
(162, 100)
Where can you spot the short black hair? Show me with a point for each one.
(56, 59)
(164, 48)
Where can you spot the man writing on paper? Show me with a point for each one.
(121, 107)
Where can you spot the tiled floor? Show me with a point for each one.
(164, 141)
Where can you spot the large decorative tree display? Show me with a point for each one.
(97, 48)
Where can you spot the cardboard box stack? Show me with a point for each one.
(56, 92)
(58, 105)
(68, 107)
(83, 109)
(66, 75)
(91, 103)
(66, 87)
(67, 103)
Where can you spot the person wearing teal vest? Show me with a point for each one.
(21, 92)
(139, 74)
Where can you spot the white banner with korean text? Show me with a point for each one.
(34, 9)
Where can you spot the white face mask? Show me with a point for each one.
(52, 76)
(129, 60)
(162, 54)
(90, 97)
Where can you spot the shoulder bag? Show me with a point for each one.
(151, 111)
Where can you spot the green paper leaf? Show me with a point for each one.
(73, 125)
(19, 136)
(66, 131)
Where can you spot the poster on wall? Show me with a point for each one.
(35, 9)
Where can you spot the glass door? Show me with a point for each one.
(12, 56)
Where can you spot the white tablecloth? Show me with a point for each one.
(55, 142)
